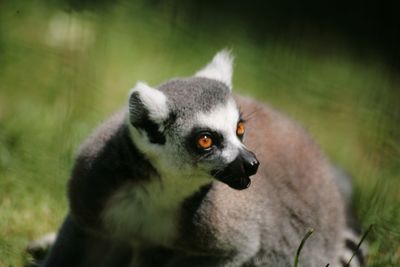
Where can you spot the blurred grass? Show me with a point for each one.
(62, 72)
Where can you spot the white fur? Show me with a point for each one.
(42, 243)
(220, 68)
(223, 119)
(149, 212)
(141, 140)
(154, 100)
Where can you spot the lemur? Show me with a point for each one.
(188, 174)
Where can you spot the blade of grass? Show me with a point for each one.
(359, 245)
(303, 241)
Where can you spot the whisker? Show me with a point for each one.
(249, 116)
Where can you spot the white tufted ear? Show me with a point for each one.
(220, 68)
(147, 101)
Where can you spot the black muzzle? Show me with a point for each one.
(237, 173)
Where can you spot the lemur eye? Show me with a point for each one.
(204, 141)
(240, 129)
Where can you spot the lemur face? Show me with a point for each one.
(214, 142)
(193, 126)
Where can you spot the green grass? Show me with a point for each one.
(55, 88)
(303, 241)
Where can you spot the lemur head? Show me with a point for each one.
(193, 127)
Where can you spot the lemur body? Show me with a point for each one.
(166, 182)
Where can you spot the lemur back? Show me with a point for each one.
(190, 175)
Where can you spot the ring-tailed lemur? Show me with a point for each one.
(166, 182)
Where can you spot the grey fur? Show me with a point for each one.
(212, 225)
(193, 95)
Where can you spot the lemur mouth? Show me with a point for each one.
(238, 183)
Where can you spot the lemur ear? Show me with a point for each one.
(147, 110)
(220, 68)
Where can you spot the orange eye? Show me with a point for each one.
(204, 141)
(240, 129)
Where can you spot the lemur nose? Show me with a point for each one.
(251, 167)
(250, 162)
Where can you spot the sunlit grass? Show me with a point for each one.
(55, 89)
